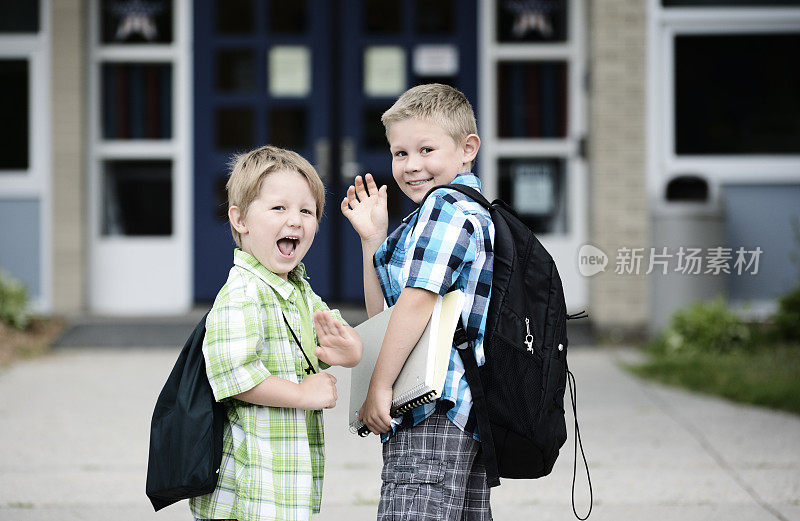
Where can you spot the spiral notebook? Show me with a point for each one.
(422, 378)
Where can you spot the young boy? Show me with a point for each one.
(273, 448)
(430, 465)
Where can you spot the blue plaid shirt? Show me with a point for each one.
(451, 246)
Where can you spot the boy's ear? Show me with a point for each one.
(237, 219)
(471, 145)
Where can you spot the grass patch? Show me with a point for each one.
(20, 504)
(765, 376)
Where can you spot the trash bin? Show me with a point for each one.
(690, 215)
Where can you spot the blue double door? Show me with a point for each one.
(313, 76)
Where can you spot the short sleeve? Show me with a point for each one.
(234, 336)
(440, 248)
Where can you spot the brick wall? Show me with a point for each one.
(69, 180)
(619, 215)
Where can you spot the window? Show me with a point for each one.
(19, 16)
(737, 94)
(15, 107)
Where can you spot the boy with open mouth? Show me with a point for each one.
(264, 351)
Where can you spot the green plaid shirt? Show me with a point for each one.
(273, 458)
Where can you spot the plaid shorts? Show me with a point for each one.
(430, 472)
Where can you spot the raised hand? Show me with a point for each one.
(365, 208)
(338, 344)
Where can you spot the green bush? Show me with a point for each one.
(13, 302)
(704, 327)
(786, 320)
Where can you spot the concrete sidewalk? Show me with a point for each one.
(74, 429)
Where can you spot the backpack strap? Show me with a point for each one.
(573, 392)
(467, 354)
(310, 368)
(466, 190)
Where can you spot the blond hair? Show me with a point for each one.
(248, 171)
(440, 104)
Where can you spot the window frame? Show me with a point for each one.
(35, 181)
(34, 48)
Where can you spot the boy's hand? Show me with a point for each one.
(374, 413)
(365, 208)
(338, 344)
(319, 391)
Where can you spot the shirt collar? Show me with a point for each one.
(465, 178)
(284, 288)
(468, 179)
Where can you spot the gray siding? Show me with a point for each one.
(20, 254)
(760, 216)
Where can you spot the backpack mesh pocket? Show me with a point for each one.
(506, 367)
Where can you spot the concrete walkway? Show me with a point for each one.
(74, 429)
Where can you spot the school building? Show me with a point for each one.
(627, 133)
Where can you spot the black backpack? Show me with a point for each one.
(518, 393)
(186, 430)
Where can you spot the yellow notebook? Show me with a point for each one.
(422, 378)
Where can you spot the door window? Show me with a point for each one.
(384, 70)
(136, 22)
(235, 71)
(536, 189)
(435, 16)
(289, 17)
(137, 100)
(381, 17)
(235, 16)
(288, 126)
(137, 198)
(235, 128)
(289, 71)
(544, 21)
(532, 99)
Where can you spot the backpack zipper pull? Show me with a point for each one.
(529, 336)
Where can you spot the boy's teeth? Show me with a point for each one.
(415, 183)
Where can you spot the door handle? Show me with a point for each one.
(322, 153)
(350, 167)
